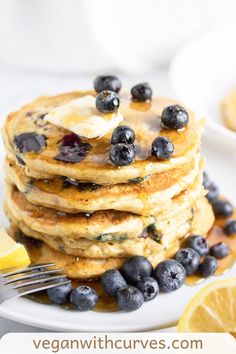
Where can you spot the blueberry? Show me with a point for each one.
(162, 148)
(136, 268)
(206, 180)
(129, 298)
(220, 250)
(122, 154)
(199, 244)
(141, 92)
(107, 82)
(107, 101)
(149, 287)
(174, 117)
(61, 294)
(213, 192)
(29, 142)
(123, 134)
(72, 149)
(230, 227)
(189, 258)
(170, 275)
(208, 266)
(84, 298)
(112, 281)
(222, 208)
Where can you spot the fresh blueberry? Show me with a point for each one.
(112, 281)
(129, 298)
(174, 117)
(162, 148)
(213, 192)
(230, 227)
(206, 180)
(84, 298)
(123, 134)
(199, 244)
(61, 294)
(72, 149)
(107, 82)
(149, 287)
(220, 250)
(122, 154)
(170, 275)
(107, 101)
(141, 92)
(189, 258)
(222, 208)
(208, 266)
(29, 142)
(136, 268)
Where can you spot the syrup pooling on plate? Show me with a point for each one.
(216, 235)
(105, 303)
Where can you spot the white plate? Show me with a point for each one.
(165, 310)
(203, 71)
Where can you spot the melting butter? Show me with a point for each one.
(81, 117)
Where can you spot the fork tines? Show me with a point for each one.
(38, 277)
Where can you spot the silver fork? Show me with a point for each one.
(37, 277)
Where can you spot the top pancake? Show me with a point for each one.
(143, 117)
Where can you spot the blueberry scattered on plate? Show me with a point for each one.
(61, 294)
(141, 92)
(107, 82)
(122, 154)
(222, 208)
(189, 258)
(174, 117)
(149, 288)
(220, 250)
(123, 134)
(199, 244)
(29, 142)
(230, 227)
(107, 101)
(208, 266)
(170, 275)
(112, 281)
(84, 298)
(129, 298)
(136, 268)
(162, 148)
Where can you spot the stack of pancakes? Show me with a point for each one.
(90, 216)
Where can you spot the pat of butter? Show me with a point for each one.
(81, 117)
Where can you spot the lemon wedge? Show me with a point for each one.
(213, 309)
(12, 254)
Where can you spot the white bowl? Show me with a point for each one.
(203, 71)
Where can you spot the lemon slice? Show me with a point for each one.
(12, 254)
(213, 309)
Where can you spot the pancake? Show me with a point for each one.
(143, 117)
(228, 108)
(145, 246)
(104, 225)
(87, 268)
(144, 198)
(109, 224)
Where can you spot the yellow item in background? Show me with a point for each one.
(12, 254)
(213, 309)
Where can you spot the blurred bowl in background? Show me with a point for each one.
(203, 72)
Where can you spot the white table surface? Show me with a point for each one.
(17, 88)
